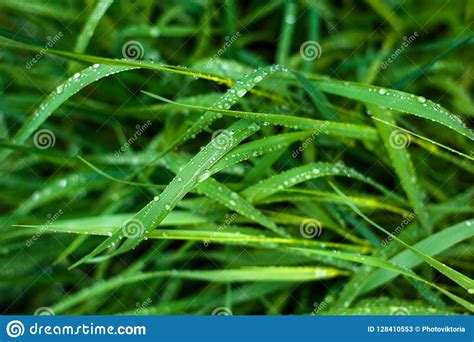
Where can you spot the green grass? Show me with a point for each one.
(289, 157)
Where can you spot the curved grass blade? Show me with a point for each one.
(424, 139)
(257, 148)
(322, 196)
(196, 171)
(397, 100)
(233, 200)
(63, 92)
(377, 262)
(322, 127)
(432, 245)
(300, 174)
(57, 188)
(221, 193)
(92, 21)
(394, 99)
(403, 166)
(318, 98)
(207, 232)
(254, 274)
(452, 274)
(101, 225)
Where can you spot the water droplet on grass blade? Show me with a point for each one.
(205, 175)
(421, 99)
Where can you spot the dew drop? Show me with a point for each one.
(290, 19)
(59, 89)
(205, 175)
(421, 99)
